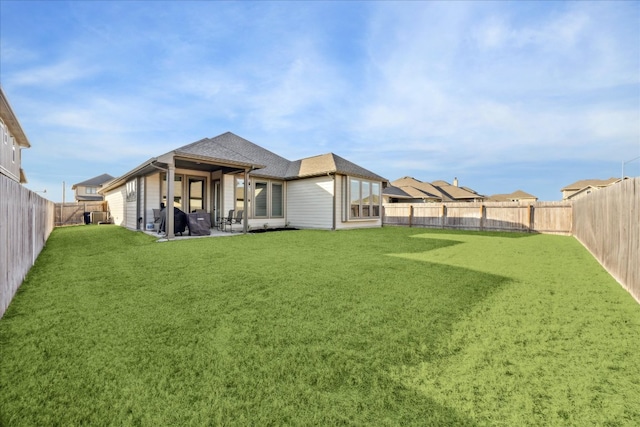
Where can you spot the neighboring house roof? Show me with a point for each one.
(83, 198)
(437, 190)
(94, 182)
(579, 188)
(516, 195)
(579, 185)
(425, 187)
(233, 152)
(455, 192)
(396, 192)
(582, 192)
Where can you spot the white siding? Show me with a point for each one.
(151, 196)
(310, 203)
(228, 194)
(115, 202)
(130, 211)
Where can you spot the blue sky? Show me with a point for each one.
(503, 96)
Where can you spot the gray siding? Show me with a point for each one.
(8, 166)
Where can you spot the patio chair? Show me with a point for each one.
(237, 220)
(156, 218)
(228, 220)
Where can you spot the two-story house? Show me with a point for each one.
(12, 141)
(86, 191)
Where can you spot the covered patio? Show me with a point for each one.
(195, 178)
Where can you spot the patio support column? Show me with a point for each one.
(245, 217)
(169, 217)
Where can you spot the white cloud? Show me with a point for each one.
(64, 72)
(524, 103)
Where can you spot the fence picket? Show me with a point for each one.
(26, 221)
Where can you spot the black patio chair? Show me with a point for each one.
(226, 221)
(237, 220)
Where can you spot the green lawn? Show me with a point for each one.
(391, 326)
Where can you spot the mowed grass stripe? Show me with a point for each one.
(387, 326)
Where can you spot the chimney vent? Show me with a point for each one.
(455, 181)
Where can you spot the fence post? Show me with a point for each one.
(482, 215)
(444, 215)
(531, 218)
(411, 216)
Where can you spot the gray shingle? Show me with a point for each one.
(231, 147)
(95, 181)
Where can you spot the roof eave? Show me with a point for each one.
(116, 182)
(12, 121)
(217, 161)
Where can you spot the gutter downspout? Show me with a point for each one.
(333, 226)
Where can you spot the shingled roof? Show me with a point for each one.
(231, 147)
(578, 185)
(454, 192)
(326, 164)
(516, 195)
(95, 181)
(231, 151)
(437, 190)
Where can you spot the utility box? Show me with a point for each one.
(97, 217)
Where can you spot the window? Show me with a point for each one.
(239, 193)
(277, 200)
(131, 191)
(196, 194)
(177, 190)
(260, 199)
(375, 199)
(364, 199)
(4, 133)
(268, 199)
(91, 190)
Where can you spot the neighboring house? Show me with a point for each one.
(517, 196)
(12, 141)
(586, 186)
(411, 190)
(86, 191)
(228, 172)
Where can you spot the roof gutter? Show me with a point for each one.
(117, 181)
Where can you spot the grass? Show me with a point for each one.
(389, 326)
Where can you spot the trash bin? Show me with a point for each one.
(87, 217)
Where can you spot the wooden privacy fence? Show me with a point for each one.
(73, 213)
(607, 223)
(26, 221)
(539, 217)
